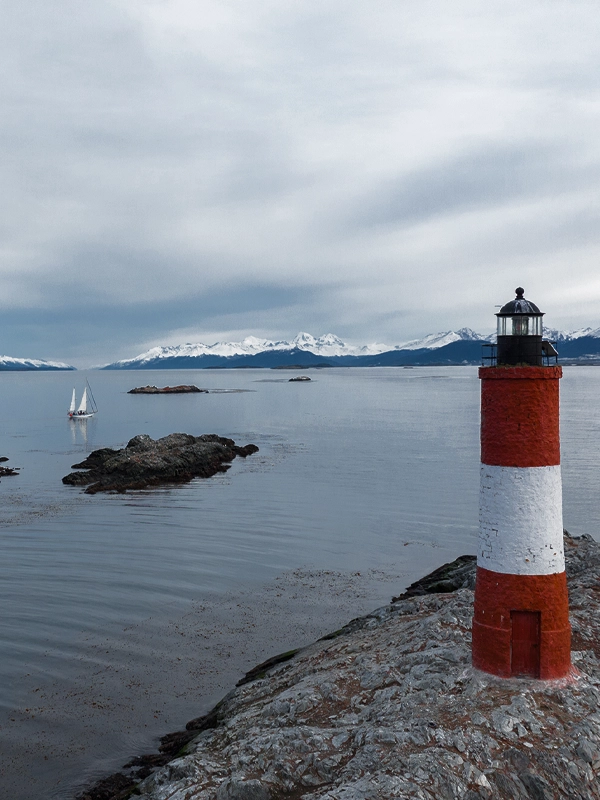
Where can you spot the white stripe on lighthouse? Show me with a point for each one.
(520, 520)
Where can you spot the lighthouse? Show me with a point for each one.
(521, 615)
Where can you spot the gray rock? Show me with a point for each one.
(239, 789)
(586, 751)
(176, 458)
(536, 788)
(181, 389)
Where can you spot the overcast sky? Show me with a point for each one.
(176, 170)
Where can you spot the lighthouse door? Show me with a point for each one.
(525, 644)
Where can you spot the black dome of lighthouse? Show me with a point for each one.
(519, 335)
(519, 305)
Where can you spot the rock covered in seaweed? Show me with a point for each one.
(143, 462)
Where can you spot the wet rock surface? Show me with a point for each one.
(389, 706)
(182, 389)
(145, 462)
(457, 574)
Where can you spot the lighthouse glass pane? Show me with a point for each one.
(502, 326)
(520, 326)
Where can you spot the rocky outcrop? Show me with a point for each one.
(458, 574)
(7, 470)
(144, 462)
(182, 389)
(300, 378)
(389, 706)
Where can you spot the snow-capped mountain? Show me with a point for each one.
(331, 345)
(569, 336)
(446, 347)
(435, 340)
(327, 345)
(24, 364)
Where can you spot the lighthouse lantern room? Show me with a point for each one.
(521, 615)
(520, 332)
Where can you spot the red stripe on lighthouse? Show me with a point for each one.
(520, 416)
(521, 619)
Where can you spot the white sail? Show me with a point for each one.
(83, 405)
(72, 406)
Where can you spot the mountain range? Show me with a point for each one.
(436, 349)
(450, 347)
(9, 364)
(304, 350)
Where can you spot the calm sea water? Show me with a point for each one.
(123, 616)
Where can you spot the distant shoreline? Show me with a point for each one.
(166, 367)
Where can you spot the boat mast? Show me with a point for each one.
(89, 389)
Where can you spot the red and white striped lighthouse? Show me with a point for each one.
(521, 616)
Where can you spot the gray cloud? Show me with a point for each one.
(380, 172)
(478, 180)
(117, 326)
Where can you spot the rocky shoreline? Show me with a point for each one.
(389, 706)
(144, 462)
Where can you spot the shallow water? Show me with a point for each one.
(126, 615)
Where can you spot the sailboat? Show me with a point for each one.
(87, 408)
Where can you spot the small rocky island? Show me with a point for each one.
(299, 378)
(182, 389)
(7, 470)
(144, 462)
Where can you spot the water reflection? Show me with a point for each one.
(79, 431)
